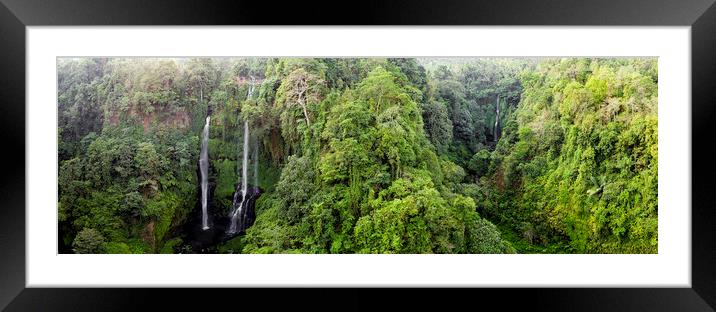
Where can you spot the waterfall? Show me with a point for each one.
(239, 210)
(496, 130)
(204, 167)
(238, 215)
(248, 96)
(256, 162)
(256, 141)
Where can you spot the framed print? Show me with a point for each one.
(512, 148)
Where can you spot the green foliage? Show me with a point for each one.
(583, 162)
(116, 248)
(295, 188)
(438, 126)
(88, 241)
(270, 233)
(234, 245)
(226, 180)
(126, 180)
(480, 162)
(169, 246)
(486, 239)
(364, 191)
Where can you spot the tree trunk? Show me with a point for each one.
(305, 114)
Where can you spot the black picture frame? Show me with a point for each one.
(15, 15)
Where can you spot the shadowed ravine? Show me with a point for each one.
(198, 240)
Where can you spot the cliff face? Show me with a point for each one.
(148, 235)
(180, 119)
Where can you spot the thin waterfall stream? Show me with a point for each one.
(496, 130)
(238, 209)
(204, 167)
(241, 216)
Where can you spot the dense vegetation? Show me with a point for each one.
(363, 155)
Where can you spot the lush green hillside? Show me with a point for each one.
(578, 162)
(362, 155)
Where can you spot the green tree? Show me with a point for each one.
(88, 241)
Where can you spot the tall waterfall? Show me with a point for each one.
(256, 143)
(496, 130)
(204, 167)
(246, 126)
(239, 210)
(256, 162)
